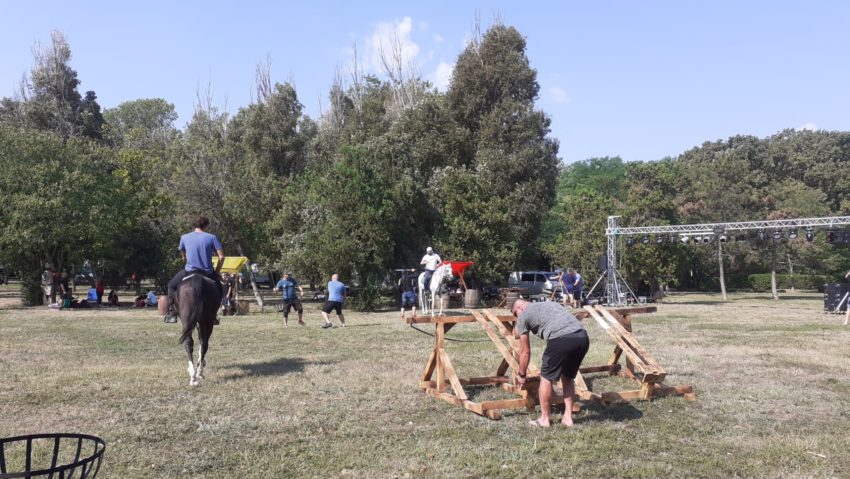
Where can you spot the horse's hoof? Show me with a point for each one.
(193, 382)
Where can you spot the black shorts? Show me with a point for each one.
(288, 304)
(564, 355)
(331, 306)
(577, 294)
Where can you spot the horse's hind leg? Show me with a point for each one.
(190, 346)
(204, 334)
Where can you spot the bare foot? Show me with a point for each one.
(538, 423)
(567, 420)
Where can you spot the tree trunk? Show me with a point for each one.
(720, 262)
(773, 273)
(257, 294)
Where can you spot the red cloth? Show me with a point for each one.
(458, 267)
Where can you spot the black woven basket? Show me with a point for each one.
(55, 456)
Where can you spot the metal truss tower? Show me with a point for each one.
(613, 292)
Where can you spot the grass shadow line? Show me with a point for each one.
(275, 367)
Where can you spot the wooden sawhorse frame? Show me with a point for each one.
(440, 380)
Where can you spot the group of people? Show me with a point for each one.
(572, 285)
(57, 286)
(336, 297)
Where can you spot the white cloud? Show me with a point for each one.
(442, 76)
(807, 126)
(558, 94)
(385, 38)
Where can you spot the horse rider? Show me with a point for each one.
(431, 261)
(197, 248)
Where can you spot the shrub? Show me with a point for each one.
(761, 282)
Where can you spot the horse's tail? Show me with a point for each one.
(195, 309)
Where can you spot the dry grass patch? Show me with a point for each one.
(772, 381)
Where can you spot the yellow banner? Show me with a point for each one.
(232, 264)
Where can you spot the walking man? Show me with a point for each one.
(566, 345)
(336, 296)
(431, 260)
(290, 300)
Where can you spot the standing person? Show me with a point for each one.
(407, 284)
(99, 288)
(47, 284)
(568, 284)
(290, 299)
(336, 296)
(578, 286)
(197, 249)
(566, 345)
(431, 260)
(65, 289)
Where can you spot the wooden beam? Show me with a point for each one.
(450, 372)
(506, 354)
(509, 318)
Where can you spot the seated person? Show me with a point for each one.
(112, 299)
(151, 299)
(91, 295)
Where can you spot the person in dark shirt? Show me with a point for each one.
(290, 299)
(407, 285)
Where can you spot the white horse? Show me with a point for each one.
(442, 272)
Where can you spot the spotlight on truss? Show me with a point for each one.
(706, 239)
(672, 238)
(777, 235)
(630, 241)
(792, 233)
(659, 239)
(684, 239)
(762, 235)
(810, 234)
(723, 238)
(645, 239)
(697, 239)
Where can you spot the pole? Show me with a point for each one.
(612, 287)
(720, 262)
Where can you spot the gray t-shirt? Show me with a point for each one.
(548, 320)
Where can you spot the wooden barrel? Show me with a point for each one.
(162, 305)
(510, 297)
(470, 298)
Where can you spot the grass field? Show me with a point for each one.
(772, 382)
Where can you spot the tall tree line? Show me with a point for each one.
(394, 166)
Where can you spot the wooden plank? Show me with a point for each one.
(509, 318)
(444, 396)
(617, 337)
(483, 381)
(439, 345)
(506, 355)
(614, 396)
(632, 341)
(450, 372)
(503, 404)
(608, 368)
(429, 367)
(531, 370)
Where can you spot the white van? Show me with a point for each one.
(533, 281)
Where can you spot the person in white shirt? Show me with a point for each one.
(431, 260)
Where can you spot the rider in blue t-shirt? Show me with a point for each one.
(197, 249)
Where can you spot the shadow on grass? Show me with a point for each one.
(276, 367)
(613, 412)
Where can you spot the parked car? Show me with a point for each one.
(534, 282)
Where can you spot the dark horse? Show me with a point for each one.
(197, 301)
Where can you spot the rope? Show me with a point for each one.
(452, 339)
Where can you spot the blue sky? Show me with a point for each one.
(641, 80)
